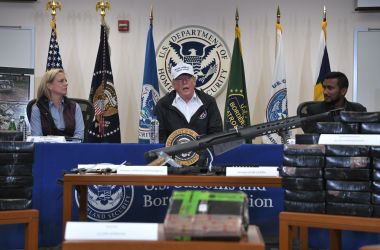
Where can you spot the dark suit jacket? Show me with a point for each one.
(321, 107)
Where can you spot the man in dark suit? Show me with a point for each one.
(335, 86)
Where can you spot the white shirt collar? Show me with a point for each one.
(179, 98)
(189, 108)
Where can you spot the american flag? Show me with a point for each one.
(54, 60)
(99, 107)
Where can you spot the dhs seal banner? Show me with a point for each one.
(107, 202)
(203, 49)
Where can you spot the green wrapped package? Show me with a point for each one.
(202, 215)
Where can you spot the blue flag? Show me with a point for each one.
(150, 91)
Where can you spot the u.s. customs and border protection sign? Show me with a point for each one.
(179, 136)
(203, 49)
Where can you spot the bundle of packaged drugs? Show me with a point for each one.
(307, 138)
(348, 185)
(201, 215)
(302, 178)
(16, 180)
(369, 121)
(375, 153)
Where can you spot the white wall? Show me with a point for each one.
(79, 31)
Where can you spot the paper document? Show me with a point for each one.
(143, 170)
(252, 171)
(349, 139)
(76, 230)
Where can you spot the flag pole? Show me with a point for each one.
(278, 25)
(151, 15)
(103, 6)
(324, 22)
(54, 59)
(237, 17)
(53, 5)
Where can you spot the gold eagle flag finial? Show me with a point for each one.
(53, 5)
(103, 6)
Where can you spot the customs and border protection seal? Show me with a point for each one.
(277, 109)
(179, 136)
(107, 202)
(201, 47)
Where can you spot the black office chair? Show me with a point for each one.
(302, 111)
(88, 112)
(302, 108)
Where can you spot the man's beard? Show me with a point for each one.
(333, 102)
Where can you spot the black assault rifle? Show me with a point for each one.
(224, 141)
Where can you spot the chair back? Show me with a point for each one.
(29, 108)
(302, 111)
(302, 108)
(88, 112)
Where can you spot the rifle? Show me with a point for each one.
(224, 141)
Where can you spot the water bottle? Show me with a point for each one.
(154, 128)
(12, 125)
(22, 127)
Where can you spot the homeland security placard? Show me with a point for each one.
(203, 49)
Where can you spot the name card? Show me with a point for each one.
(349, 139)
(252, 171)
(99, 166)
(49, 138)
(76, 230)
(143, 170)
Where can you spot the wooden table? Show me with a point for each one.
(29, 217)
(81, 181)
(335, 223)
(253, 241)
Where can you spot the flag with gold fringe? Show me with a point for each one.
(236, 112)
(277, 107)
(106, 126)
(323, 62)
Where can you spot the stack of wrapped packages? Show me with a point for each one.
(302, 178)
(16, 179)
(348, 185)
(201, 215)
(350, 173)
(375, 153)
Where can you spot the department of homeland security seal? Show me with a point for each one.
(203, 49)
(277, 107)
(149, 98)
(108, 202)
(180, 136)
